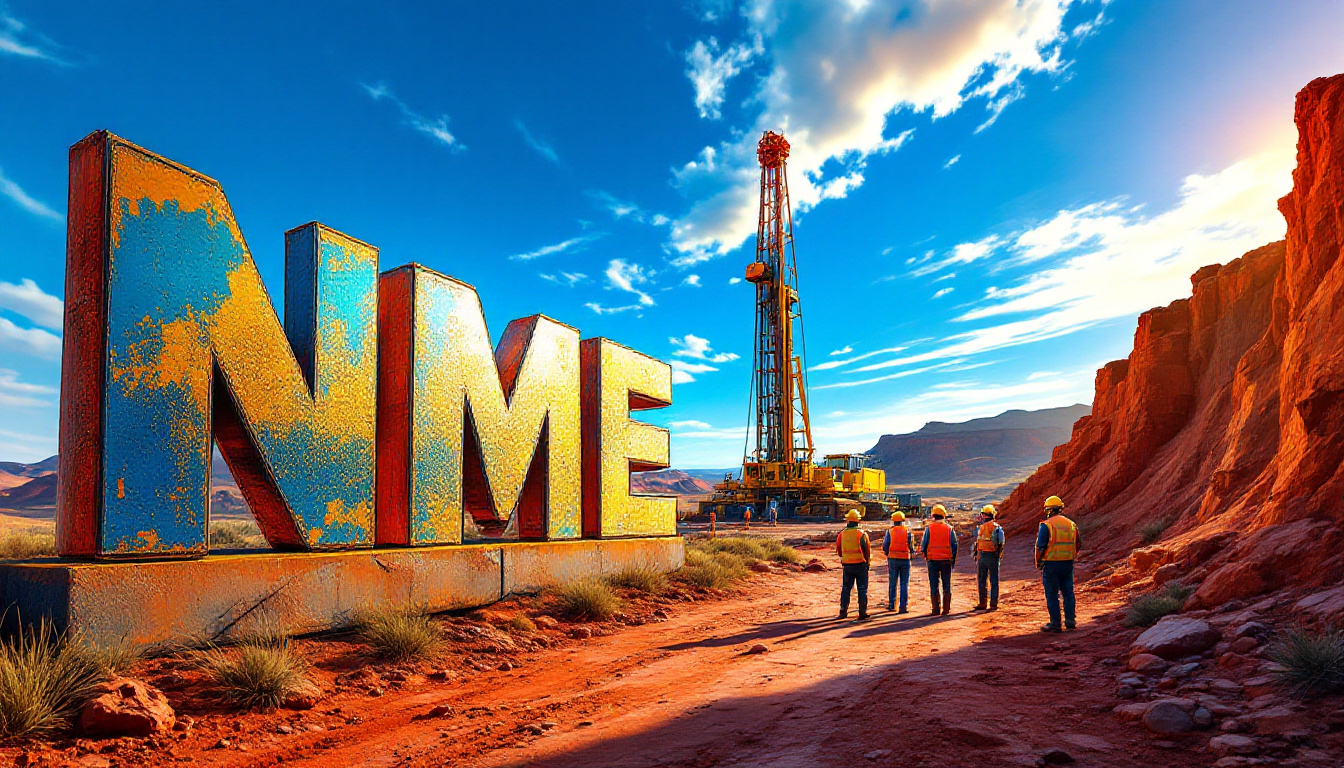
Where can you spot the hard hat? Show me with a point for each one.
(852, 515)
(898, 515)
(939, 510)
(1054, 501)
(988, 509)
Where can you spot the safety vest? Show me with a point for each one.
(851, 546)
(940, 541)
(1063, 544)
(899, 548)
(984, 539)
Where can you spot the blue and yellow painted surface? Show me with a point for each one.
(185, 301)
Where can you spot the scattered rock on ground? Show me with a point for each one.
(1175, 636)
(1328, 604)
(974, 737)
(1233, 744)
(816, 566)
(1056, 757)
(1148, 664)
(757, 648)
(125, 707)
(1244, 645)
(1275, 720)
(1170, 716)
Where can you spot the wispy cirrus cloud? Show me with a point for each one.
(623, 209)
(538, 145)
(17, 39)
(570, 279)
(572, 244)
(698, 348)
(28, 299)
(625, 277)
(831, 75)
(9, 188)
(19, 394)
(434, 127)
(29, 341)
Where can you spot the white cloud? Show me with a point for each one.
(26, 201)
(836, 71)
(689, 424)
(692, 281)
(710, 71)
(837, 363)
(570, 279)
(540, 147)
(699, 430)
(1042, 375)
(694, 347)
(681, 377)
(734, 280)
(22, 447)
(433, 127)
(943, 292)
(16, 39)
(683, 372)
(31, 341)
(962, 253)
(952, 161)
(32, 302)
(17, 394)
(625, 276)
(573, 243)
(605, 310)
(845, 350)
(622, 209)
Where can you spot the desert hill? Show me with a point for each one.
(1000, 449)
(1226, 422)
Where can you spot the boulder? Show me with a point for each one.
(1327, 604)
(1148, 664)
(125, 707)
(1202, 717)
(1244, 645)
(1233, 744)
(1176, 636)
(1274, 720)
(1251, 629)
(1170, 716)
(1223, 685)
(1258, 686)
(1131, 712)
(1183, 670)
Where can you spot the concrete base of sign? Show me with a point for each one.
(227, 595)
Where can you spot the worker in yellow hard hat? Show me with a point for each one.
(855, 553)
(989, 539)
(1057, 545)
(897, 544)
(939, 548)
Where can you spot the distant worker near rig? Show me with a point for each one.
(1057, 545)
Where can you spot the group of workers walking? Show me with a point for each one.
(1057, 544)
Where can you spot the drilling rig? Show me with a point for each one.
(780, 468)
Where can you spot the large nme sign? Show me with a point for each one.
(377, 413)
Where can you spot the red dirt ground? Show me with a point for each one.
(962, 690)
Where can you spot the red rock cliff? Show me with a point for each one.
(1227, 419)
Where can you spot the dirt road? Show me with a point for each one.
(968, 689)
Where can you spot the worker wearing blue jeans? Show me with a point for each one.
(1057, 545)
(897, 544)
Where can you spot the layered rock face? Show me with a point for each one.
(1227, 420)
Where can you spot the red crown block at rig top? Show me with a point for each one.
(386, 450)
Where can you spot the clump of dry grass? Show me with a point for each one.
(236, 534)
(43, 681)
(256, 676)
(399, 633)
(23, 545)
(521, 623)
(1310, 663)
(587, 599)
(639, 579)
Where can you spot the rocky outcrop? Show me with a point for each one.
(673, 481)
(1226, 422)
(125, 707)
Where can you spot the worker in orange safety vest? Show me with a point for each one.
(1057, 545)
(939, 548)
(989, 540)
(897, 544)
(855, 554)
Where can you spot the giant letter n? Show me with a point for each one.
(473, 442)
(171, 338)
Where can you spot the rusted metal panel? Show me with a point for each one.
(533, 566)
(616, 381)
(186, 317)
(492, 435)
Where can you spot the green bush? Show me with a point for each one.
(1311, 663)
(43, 682)
(1152, 530)
(256, 676)
(399, 633)
(236, 534)
(23, 545)
(1147, 609)
(639, 579)
(587, 599)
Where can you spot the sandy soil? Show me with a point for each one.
(968, 689)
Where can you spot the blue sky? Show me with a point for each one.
(987, 193)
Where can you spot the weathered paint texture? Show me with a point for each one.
(231, 595)
(475, 443)
(616, 381)
(190, 337)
